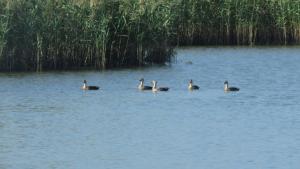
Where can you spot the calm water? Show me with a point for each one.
(47, 122)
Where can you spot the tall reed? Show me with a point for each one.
(41, 35)
(238, 22)
(37, 35)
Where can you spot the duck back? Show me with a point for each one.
(163, 89)
(92, 88)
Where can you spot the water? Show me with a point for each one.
(47, 122)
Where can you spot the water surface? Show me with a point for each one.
(47, 122)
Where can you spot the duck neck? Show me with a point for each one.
(226, 86)
(190, 85)
(84, 86)
(141, 84)
(154, 85)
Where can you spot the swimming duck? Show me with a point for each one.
(193, 87)
(229, 89)
(86, 87)
(142, 86)
(155, 88)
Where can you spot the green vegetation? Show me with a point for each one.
(38, 35)
(239, 22)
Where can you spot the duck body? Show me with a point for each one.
(156, 89)
(230, 89)
(163, 89)
(91, 88)
(142, 86)
(233, 89)
(86, 87)
(145, 88)
(193, 87)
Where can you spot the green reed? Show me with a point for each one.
(37, 35)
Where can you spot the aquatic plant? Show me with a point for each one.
(238, 22)
(64, 34)
(38, 35)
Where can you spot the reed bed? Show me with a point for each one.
(37, 35)
(238, 22)
(41, 35)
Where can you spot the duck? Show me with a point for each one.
(86, 87)
(193, 87)
(156, 89)
(142, 86)
(229, 89)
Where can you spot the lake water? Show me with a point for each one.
(47, 122)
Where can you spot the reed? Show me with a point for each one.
(238, 22)
(41, 35)
(37, 35)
